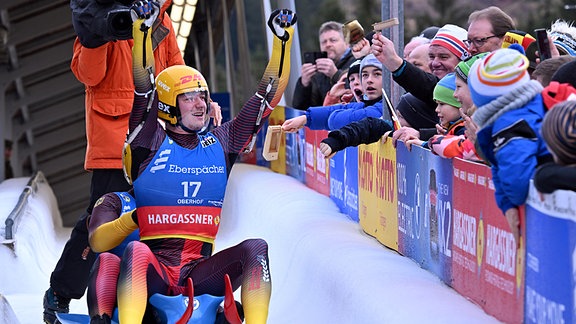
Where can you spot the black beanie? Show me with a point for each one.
(416, 112)
(566, 73)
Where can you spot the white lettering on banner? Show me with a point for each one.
(351, 199)
(405, 213)
(309, 154)
(444, 222)
(501, 283)
(320, 161)
(401, 174)
(161, 219)
(501, 250)
(532, 262)
(542, 310)
(336, 189)
(196, 171)
(465, 232)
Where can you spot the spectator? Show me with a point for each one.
(544, 71)
(462, 94)
(559, 133)
(317, 79)
(105, 70)
(563, 35)
(429, 32)
(347, 89)
(562, 85)
(509, 115)
(486, 29)
(419, 57)
(412, 113)
(336, 116)
(413, 43)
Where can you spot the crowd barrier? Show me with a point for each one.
(441, 213)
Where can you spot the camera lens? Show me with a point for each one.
(120, 24)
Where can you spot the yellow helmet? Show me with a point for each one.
(176, 80)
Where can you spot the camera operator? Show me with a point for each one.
(316, 79)
(102, 61)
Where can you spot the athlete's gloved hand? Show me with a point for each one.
(146, 10)
(281, 19)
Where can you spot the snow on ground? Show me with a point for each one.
(324, 268)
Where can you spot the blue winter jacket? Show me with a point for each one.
(513, 145)
(337, 116)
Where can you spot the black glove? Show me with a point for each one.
(334, 140)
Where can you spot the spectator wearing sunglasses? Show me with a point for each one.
(486, 29)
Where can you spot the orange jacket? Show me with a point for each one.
(106, 72)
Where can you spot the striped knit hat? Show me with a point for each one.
(496, 74)
(452, 38)
(463, 68)
(559, 132)
(444, 90)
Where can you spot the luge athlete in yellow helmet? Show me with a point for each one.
(179, 180)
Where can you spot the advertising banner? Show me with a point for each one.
(322, 165)
(295, 147)
(550, 257)
(367, 199)
(337, 180)
(486, 267)
(277, 117)
(387, 195)
(351, 182)
(310, 157)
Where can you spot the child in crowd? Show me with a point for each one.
(336, 116)
(340, 94)
(451, 141)
(559, 133)
(509, 116)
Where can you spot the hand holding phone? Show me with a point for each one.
(543, 44)
(311, 57)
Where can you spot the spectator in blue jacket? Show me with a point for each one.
(337, 116)
(509, 117)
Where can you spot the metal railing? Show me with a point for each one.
(31, 187)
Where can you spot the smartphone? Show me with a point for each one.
(543, 44)
(311, 57)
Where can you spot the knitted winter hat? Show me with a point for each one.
(444, 90)
(416, 112)
(566, 74)
(496, 74)
(354, 67)
(559, 132)
(563, 35)
(452, 38)
(556, 92)
(463, 68)
(370, 60)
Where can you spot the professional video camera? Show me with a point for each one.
(99, 21)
